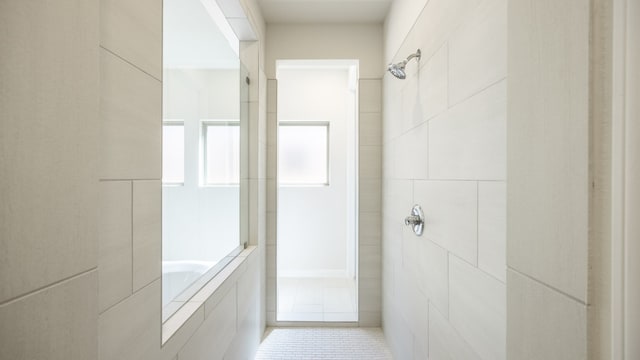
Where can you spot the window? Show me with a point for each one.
(304, 153)
(173, 152)
(221, 140)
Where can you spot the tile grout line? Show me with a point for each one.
(47, 287)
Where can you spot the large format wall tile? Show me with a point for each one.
(444, 341)
(492, 228)
(215, 334)
(133, 30)
(469, 140)
(450, 215)
(543, 323)
(131, 114)
(147, 232)
(478, 51)
(57, 323)
(548, 145)
(427, 263)
(477, 309)
(370, 96)
(131, 329)
(115, 264)
(48, 192)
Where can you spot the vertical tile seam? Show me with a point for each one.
(478, 224)
(132, 232)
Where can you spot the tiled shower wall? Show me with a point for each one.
(80, 238)
(444, 148)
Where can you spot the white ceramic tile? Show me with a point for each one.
(450, 213)
(369, 295)
(477, 309)
(133, 30)
(398, 200)
(478, 51)
(444, 341)
(393, 112)
(469, 140)
(147, 232)
(410, 154)
(248, 287)
(435, 26)
(369, 318)
(413, 307)
(492, 228)
(272, 195)
(180, 337)
(49, 131)
(131, 329)
(428, 264)
(370, 261)
(249, 56)
(542, 323)
(115, 246)
(370, 96)
(271, 260)
(271, 228)
(549, 139)
(189, 312)
(253, 146)
(398, 334)
(370, 162)
(433, 84)
(370, 195)
(215, 334)
(369, 231)
(131, 116)
(57, 323)
(271, 294)
(272, 95)
(370, 129)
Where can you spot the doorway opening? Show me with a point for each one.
(317, 191)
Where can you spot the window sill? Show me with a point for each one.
(205, 300)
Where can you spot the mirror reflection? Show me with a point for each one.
(201, 150)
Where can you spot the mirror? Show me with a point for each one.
(204, 140)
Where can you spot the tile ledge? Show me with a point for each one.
(191, 307)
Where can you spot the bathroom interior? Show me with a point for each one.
(445, 179)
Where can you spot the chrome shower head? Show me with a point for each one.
(397, 69)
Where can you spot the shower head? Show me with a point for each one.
(397, 69)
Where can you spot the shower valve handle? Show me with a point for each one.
(415, 220)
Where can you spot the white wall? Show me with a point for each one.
(312, 220)
(199, 222)
(444, 147)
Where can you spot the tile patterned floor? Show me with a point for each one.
(324, 343)
(317, 299)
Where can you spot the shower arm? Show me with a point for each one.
(418, 54)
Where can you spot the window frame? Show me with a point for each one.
(327, 125)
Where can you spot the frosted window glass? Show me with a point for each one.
(222, 154)
(173, 153)
(303, 154)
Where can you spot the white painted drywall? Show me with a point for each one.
(312, 220)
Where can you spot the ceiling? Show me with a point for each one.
(324, 11)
